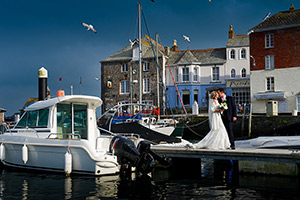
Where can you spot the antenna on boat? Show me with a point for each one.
(80, 83)
(140, 52)
(60, 92)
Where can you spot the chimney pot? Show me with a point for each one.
(174, 47)
(292, 8)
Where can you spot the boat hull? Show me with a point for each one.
(50, 156)
(142, 131)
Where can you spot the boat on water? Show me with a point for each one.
(119, 119)
(61, 135)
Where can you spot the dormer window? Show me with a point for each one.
(124, 67)
(232, 54)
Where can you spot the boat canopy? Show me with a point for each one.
(94, 102)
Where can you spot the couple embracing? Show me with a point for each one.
(222, 114)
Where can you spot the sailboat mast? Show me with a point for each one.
(140, 52)
(157, 77)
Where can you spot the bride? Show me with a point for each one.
(217, 138)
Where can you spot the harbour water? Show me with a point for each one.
(212, 181)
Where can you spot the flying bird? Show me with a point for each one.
(186, 38)
(89, 27)
(131, 43)
(267, 16)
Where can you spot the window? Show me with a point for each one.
(241, 95)
(298, 103)
(269, 62)
(216, 74)
(270, 84)
(64, 119)
(196, 95)
(124, 87)
(36, 118)
(269, 40)
(244, 73)
(124, 67)
(80, 120)
(146, 86)
(232, 73)
(185, 74)
(176, 75)
(232, 54)
(146, 66)
(186, 97)
(72, 118)
(177, 98)
(243, 54)
(195, 74)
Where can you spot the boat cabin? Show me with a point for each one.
(68, 116)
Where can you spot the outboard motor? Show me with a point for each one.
(129, 156)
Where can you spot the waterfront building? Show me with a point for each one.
(237, 70)
(120, 75)
(275, 47)
(198, 72)
(2, 111)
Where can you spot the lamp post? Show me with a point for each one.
(98, 79)
(253, 61)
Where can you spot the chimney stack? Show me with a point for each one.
(174, 47)
(230, 32)
(292, 8)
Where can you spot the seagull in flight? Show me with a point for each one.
(267, 16)
(89, 27)
(186, 38)
(131, 43)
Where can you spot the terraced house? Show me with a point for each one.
(275, 47)
(198, 72)
(120, 75)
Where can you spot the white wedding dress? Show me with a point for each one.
(217, 138)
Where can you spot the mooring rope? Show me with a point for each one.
(189, 127)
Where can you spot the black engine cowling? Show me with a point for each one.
(129, 156)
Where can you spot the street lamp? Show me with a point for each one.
(98, 79)
(253, 60)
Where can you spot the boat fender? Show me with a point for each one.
(2, 152)
(25, 154)
(68, 163)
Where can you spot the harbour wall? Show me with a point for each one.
(196, 126)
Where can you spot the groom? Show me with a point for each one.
(229, 115)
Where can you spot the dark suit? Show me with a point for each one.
(227, 117)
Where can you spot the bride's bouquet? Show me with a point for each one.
(222, 106)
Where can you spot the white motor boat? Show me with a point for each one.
(61, 135)
(163, 126)
(270, 142)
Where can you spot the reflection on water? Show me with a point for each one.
(211, 180)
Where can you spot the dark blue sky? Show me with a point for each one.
(36, 33)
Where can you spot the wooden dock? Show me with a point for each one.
(267, 161)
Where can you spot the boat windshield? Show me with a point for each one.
(72, 118)
(34, 119)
